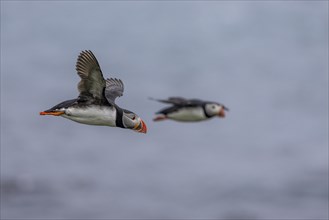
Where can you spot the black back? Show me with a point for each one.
(64, 104)
(179, 102)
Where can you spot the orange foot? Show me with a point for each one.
(159, 118)
(52, 113)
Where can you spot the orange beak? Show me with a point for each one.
(221, 113)
(143, 128)
(54, 113)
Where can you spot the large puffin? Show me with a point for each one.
(189, 110)
(95, 104)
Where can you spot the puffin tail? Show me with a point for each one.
(59, 109)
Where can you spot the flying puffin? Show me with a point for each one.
(95, 104)
(189, 110)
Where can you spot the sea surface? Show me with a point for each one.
(267, 61)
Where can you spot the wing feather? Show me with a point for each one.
(114, 88)
(178, 101)
(92, 81)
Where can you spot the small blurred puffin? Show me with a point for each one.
(189, 110)
(95, 104)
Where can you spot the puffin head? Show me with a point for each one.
(215, 109)
(132, 121)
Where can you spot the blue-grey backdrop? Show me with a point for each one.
(267, 61)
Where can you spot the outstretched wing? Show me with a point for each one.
(178, 101)
(114, 88)
(92, 81)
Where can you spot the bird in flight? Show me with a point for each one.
(189, 110)
(95, 104)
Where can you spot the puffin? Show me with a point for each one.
(189, 110)
(95, 104)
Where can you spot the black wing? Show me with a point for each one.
(114, 88)
(179, 101)
(92, 82)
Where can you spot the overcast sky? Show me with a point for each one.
(266, 61)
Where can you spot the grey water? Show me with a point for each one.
(265, 60)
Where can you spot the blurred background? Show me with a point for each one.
(266, 61)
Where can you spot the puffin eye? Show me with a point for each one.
(213, 107)
(134, 117)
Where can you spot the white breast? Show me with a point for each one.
(93, 115)
(188, 114)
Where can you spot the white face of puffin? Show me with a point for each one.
(213, 109)
(132, 121)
